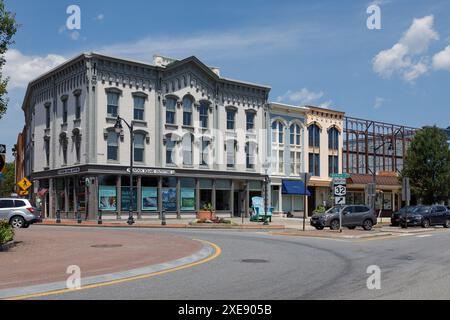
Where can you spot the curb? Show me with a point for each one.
(337, 236)
(157, 226)
(207, 252)
(7, 246)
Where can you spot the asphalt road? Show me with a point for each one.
(284, 267)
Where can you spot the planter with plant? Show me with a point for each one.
(320, 210)
(6, 232)
(207, 212)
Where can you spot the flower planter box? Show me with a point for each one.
(201, 215)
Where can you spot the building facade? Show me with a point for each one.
(379, 148)
(198, 138)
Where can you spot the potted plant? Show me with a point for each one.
(207, 212)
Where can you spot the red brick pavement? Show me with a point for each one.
(42, 255)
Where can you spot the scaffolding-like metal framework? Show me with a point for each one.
(366, 139)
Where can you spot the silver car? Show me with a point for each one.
(352, 216)
(18, 212)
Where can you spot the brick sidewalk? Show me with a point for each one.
(43, 255)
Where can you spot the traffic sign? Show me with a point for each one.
(23, 193)
(24, 184)
(340, 175)
(2, 148)
(340, 190)
(2, 162)
(339, 200)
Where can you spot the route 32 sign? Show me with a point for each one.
(340, 190)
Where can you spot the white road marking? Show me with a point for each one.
(424, 236)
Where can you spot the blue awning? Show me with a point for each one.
(294, 187)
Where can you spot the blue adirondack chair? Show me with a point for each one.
(258, 210)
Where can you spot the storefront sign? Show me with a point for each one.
(188, 199)
(68, 171)
(152, 171)
(107, 196)
(149, 199)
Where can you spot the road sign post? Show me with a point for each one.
(340, 192)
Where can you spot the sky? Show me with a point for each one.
(310, 52)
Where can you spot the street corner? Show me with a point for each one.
(45, 262)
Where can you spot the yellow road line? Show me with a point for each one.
(217, 253)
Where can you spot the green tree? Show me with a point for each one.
(8, 182)
(8, 28)
(428, 165)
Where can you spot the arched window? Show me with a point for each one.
(187, 111)
(333, 139)
(277, 132)
(170, 110)
(186, 147)
(295, 134)
(139, 147)
(113, 145)
(314, 136)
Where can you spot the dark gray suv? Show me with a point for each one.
(352, 216)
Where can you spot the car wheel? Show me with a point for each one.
(351, 228)
(334, 225)
(319, 228)
(367, 225)
(447, 223)
(17, 222)
(26, 225)
(426, 223)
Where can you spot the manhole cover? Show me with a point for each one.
(103, 246)
(254, 261)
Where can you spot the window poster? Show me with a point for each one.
(149, 199)
(188, 199)
(169, 199)
(107, 196)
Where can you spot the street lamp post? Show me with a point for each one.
(118, 128)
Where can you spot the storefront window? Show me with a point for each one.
(107, 198)
(169, 194)
(205, 192)
(125, 194)
(223, 195)
(149, 194)
(60, 195)
(187, 194)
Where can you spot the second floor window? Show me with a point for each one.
(250, 150)
(64, 107)
(170, 148)
(314, 164)
(333, 164)
(113, 104)
(231, 115)
(295, 134)
(113, 146)
(231, 153)
(170, 110)
(204, 114)
(47, 151)
(186, 145)
(277, 132)
(139, 105)
(204, 160)
(250, 121)
(187, 111)
(47, 117)
(314, 136)
(139, 147)
(77, 107)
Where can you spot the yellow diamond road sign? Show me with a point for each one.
(24, 184)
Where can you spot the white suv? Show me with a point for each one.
(19, 212)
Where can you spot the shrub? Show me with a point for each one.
(6, 232)
(320, 210)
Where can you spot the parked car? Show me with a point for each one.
(352, 216)
(18, 212)
(396, 216)
(426, 216)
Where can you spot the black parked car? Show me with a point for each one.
(426, 216)
(396, 216)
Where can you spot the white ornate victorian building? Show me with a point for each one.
(198, 137)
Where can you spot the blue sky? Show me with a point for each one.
(309, 52)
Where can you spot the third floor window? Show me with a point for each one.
(113, 104)
(139, 108)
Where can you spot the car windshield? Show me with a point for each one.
(407, 209)
(334, 210)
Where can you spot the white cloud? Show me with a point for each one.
(379, 101)
(304, 97)
(23, 68)
(100, 17)
(406, 58)
(441, 60)
(231, 43)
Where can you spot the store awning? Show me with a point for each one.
(294, 187)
